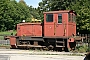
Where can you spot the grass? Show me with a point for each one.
(6, 33)
(5, 46)
(81, 49)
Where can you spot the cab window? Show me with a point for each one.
(59, 18)
(74, 18)
(49, 17)
(71, 17)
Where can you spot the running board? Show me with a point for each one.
(30, 46)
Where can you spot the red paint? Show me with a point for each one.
(29, 29)
(71, 29)
(54, 29)
(13, 41)
(70, 40)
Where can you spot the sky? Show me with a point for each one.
(34, 3)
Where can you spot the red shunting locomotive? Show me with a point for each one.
(56, 32)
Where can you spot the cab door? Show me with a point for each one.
(59, 25)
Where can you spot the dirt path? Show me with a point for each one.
(45, 57)
(13, 54)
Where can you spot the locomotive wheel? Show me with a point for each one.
(50, 47)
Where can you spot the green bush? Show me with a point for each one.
(81, 49)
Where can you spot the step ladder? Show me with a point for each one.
(60, 44)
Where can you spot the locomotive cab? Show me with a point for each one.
(59, 23)
(59, 27)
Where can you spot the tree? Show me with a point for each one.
(4, 14)
(12, 13)
(53, 5)
(83, 14)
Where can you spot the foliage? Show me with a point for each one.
(12, 13)
(83, 14)
(52, 5)
(81, 49)
(34, 12)
(8, 32)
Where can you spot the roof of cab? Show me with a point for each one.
(60, 11)
(28, 23)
